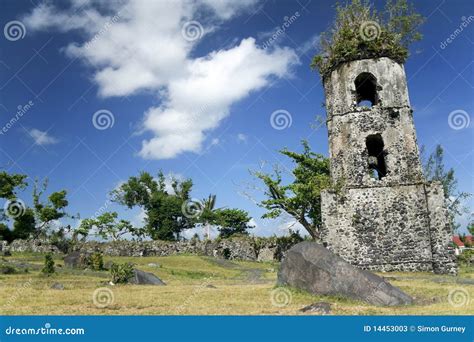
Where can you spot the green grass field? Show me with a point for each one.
(207, 286)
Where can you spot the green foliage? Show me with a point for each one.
(5, 233)
(232, 221)
(470, 228)
(10, 183)
(165, 217)
(107, 226)
(24, 225)
(435, 170)
(96, 261)
(301, 198)
(121, 273)
(360, 32)
(51, 210)
(48, 267)
(465, 257)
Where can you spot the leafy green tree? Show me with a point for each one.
(470, 228)
(435, 170)
(50, 210)
(107, 226)
(10, 184)
(301, 198)
(232, 221)
(165, 217)
(360, 31)
(208, 215)
(5, 233)
(24, 225)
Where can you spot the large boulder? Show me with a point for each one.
(145, 278)
(77, 259)
(313, 268)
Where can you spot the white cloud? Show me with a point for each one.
(241, 137)
(140, 46)
(42, 138)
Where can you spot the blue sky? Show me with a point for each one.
(191, 89)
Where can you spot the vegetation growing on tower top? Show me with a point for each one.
(360, 31)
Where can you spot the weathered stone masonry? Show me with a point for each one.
(384, 215)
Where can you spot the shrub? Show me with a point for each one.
(466, 256)
(48, 267)
(96, 261)
(121, 273)
(360, 32)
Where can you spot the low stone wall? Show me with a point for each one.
(242, 248)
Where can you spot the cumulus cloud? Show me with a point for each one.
(137, 45)
(42, 138)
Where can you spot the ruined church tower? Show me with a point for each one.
(381, 213)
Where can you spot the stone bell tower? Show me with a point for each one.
(381, 214)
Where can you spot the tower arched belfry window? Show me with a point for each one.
(366, 90)
(376, 156)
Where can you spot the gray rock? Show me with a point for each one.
(313, 268)
(322, 308)
(145, 278)
(210, 286)
(57, 286)
(77, 259)
(266, 254)
(152, 264)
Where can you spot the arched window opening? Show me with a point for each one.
(377, 167)
(366, 90)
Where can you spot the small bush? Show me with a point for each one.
(96, 262)
(48, 267)
(121, 273)
(465, 257)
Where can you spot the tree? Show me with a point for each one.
(24, 225)
(232, 221)
(107, 226)
(207, 216)
(470, 228)
(435, 170)
(5, 233)
(49, 211)
(360, 32)
(10, 183)
(165, 216)
(301, 198)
